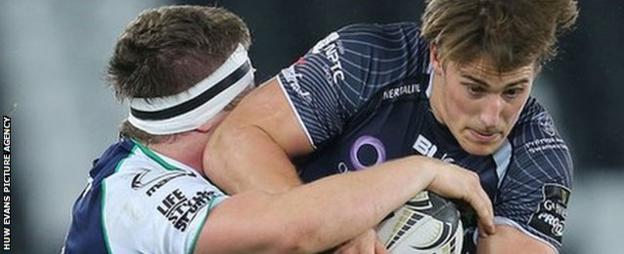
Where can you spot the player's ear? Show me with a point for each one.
(434, 60)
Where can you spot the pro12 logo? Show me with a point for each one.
(551, 213)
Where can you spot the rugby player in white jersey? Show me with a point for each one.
(182, 69)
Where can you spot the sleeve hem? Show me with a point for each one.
(216, 201)
(294, 109)
(499, 220)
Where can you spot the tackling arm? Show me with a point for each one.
(252, 148)
(343, 207)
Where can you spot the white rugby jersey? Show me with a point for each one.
(139, 201)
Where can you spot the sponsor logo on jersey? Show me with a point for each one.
(545, 144)
(427, 148)
(329, 47)
(377, 156)
(332, 37)
(291, 78)
(396, 92)
(139, 181)
(331, 53)
(180, 210)
(546, 123)
(549, 219)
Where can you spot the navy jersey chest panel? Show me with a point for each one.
(390, 128)
(86, 232)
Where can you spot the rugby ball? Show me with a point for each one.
(426, 224)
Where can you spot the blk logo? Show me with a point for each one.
(427, 148)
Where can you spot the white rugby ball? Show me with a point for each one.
(426, 224)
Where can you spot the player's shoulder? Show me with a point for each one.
(143, 167)
(535, 191)
(163, 202)
(391, 33)
(534, 122)
(148, 183)
(386, 28)
(538, 146)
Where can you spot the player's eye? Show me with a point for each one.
(513, 93)
(475, 90)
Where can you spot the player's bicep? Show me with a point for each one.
(267, 109)
(533, 200)
(264, 123)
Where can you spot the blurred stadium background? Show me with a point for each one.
(53, 56)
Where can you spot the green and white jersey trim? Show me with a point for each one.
(154, 204)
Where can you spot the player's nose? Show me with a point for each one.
(491, 112)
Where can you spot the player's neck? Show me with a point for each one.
(435, 100)
(187, 149)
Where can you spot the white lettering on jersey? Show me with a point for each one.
(291, 77)
(181, 210)
(324, 42)
(329, 48)
(552, 143)
(331, 52)
(426, 148)
(399, 91)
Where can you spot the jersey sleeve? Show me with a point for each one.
(343, 71)
(161, 211)
(533, 196)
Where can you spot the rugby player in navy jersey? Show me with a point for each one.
(183, 68)
(457, 88)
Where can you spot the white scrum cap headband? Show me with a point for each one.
(190, 109)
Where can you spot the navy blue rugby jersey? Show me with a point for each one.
(361, 94)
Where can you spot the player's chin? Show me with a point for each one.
(480, 148)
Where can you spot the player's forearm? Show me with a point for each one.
(320, 215)
(338, 208)
(313, 217)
